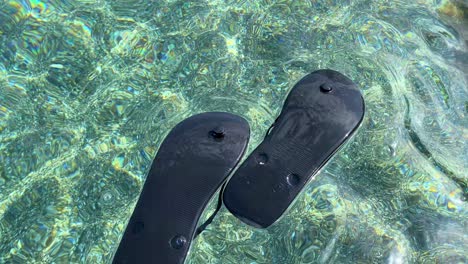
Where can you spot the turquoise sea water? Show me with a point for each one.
(89, 89)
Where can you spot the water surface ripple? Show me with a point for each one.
(89, 89)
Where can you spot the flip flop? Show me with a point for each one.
(320, 113)
(192, 163)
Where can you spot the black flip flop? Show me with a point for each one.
(320, 113)
(192, 163)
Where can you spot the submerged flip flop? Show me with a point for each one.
(320, 113)
(192, 163)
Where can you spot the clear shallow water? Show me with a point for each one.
(88, 90)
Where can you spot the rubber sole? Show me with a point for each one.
(192, 163)
(320, 113)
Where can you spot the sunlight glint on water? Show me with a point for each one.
(89, 89)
